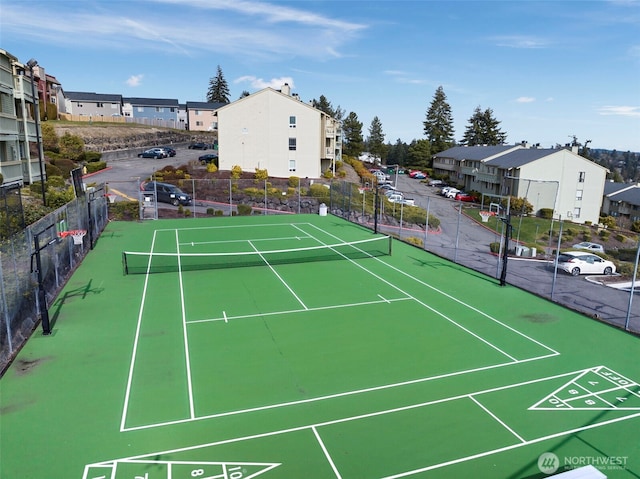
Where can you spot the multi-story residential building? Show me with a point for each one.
(201, 116)
(20, 148)
(558, 179)
(152, 111)
(88, 104)
(274, 130)
(622, 201)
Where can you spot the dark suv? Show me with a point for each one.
(168, 193)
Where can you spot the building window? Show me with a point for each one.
(581, 177)
(140, 109)
(292, 122)
(159, 109)
(292, 144)
(114, 106)
(579, 195)
(576, 212)
(292, 165)
(199, 123)
(172, 110)
(100, 105)
(197, 112)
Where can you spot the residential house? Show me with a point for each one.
(274, 130)
(201, 116)
(92, 105)
(151, 111)
(20, 148)
(557, 179)
(622, 201)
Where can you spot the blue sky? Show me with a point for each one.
(548, 70)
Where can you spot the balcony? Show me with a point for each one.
(479, 175)
(329, 153)
(8, 125)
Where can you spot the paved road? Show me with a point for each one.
(461, 239)
(466, 242)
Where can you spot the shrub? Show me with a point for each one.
(621, 238)
(545, 213)
(1, 178)
(236, 172)
(244, 210)
(124, 209)
(318, 190)
(90, 156)
(57, 198)
(494, 247)
(604, 234)
(219, 213)
(211, 167)
(210, 211)
(415, 241)
(72, 146)
(294, 181)
(608, 221)
(55, 182)
(253, 192)
(328, 173)
(261, 174)
(635, 226)
(96, 166)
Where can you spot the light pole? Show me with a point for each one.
(32, 63)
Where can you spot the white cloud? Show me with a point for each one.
(520, 41)
(259, 83)
(525, 99)
(620, 110)
(134, 80)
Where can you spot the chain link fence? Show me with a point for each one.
(36, 262)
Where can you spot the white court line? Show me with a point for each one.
(500, 421)
(276, 273)
(439, 313)
(326, 453)
(193, 243)
(338, 395)
(556, 353)
(389, 411)
(290, 311)
(185, 337)
(136, 340)
(225, 227)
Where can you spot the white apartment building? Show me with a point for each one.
(274, 130)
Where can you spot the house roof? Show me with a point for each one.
(203, 105)
(629, 195)
(613, 187)
(92, 97)
(520, 157)
(475, 152)
(150, 101)
(269, 90)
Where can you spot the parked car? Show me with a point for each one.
(399, 198)
(451, 192)
(436, 183)
(209, 158)
(156, 153)
(167, 193)
(579, 262)
(170, 151)
(199, 146)
(466, 197)
(387, 187)
(595, 247)
(413, 173)
(420, 176)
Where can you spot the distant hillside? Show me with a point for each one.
(114, 136)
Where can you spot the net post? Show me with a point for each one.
(390, 245)
(125, 270)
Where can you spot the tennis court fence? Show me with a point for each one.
(36, 262)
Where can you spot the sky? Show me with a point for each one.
(549, 70)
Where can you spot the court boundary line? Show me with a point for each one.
(513, 360)
(315, 426)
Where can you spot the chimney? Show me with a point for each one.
(286, 89)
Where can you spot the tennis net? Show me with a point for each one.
(142, 263)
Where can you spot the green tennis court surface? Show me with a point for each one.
(297, 347)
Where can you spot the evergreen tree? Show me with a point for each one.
(352, 143)
(218, 89)
(438, 127)
(419, 154)
(398, 153)
(483, 129)
(375, 141)
(323, 104)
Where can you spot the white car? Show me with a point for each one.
(451, 193)
(399, 198)
(595, 247)
(582, 262)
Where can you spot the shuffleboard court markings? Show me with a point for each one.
(137, 468)
(598, 388)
